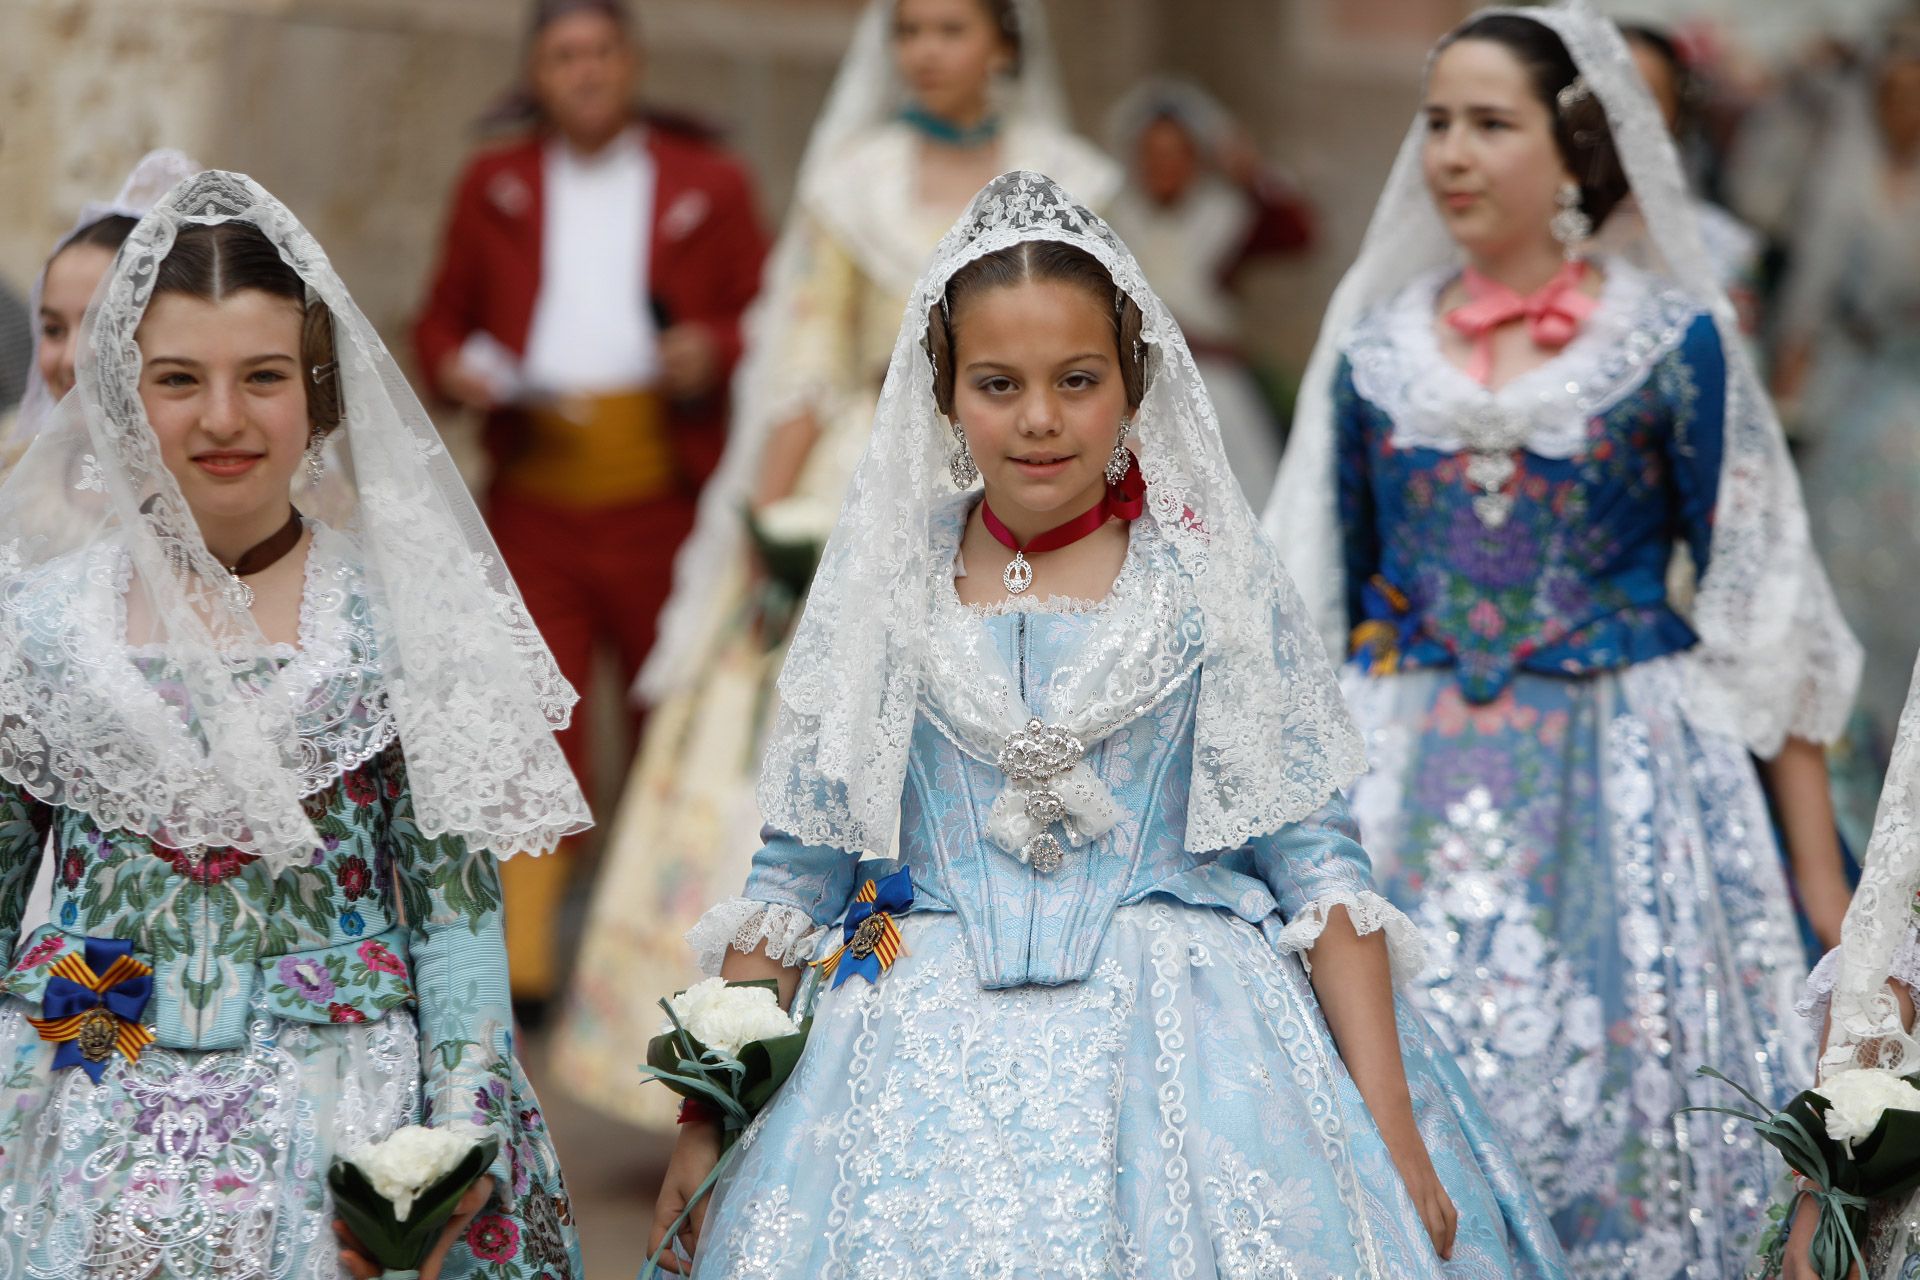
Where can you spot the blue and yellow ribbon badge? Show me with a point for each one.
(93, 1006)
(872, 941)
(1378, 642)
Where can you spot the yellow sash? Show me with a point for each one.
(594, 451)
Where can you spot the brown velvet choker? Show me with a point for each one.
(265, 554)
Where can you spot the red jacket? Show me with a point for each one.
(704, 265)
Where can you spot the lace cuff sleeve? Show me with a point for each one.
(1370, 913)
(1818, 995)
(745, 925)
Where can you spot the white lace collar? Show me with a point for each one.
(1399, 367)
(332, 678)
(1138, 643)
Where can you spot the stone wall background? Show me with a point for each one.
(359, 112)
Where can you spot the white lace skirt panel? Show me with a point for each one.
(188, 1165)
(1606, 910)
(1180, 1114)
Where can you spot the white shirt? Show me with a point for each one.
(593, 328)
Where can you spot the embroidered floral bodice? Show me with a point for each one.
(1620, 461)
(1025, 926)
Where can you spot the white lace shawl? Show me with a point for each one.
(465, 679)
(1775, 657)
(1877, 940)
(1272, 739)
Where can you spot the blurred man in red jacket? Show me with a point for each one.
(588, 302)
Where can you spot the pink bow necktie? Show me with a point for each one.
(1554, 313)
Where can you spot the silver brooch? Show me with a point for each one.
(1033, 757)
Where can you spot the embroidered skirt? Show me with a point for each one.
(1605, 911)
(1180, 1113)
(195, 1165)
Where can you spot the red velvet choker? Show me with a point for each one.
(1123, 501)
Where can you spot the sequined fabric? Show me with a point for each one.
(1605, 911)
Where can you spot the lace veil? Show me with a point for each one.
(1775, 656)
(867, 92)
(1865, 1026)
(151, 178)
(1272, 739)
(223, 743)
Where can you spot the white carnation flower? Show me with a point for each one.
(728, 1019)
(797, 520)
(411, 1159)
(1857, 1099)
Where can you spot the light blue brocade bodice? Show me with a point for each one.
(1027, 927)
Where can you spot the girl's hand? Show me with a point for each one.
(1799, 1264)
(694, 1156)
(1423, 1185)
(360, 1268)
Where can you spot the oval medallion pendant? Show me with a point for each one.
(1018, 575)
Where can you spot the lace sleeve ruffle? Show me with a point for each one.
(1370, 913)
(1817, 998)
(744, 924)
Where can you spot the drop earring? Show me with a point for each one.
(316, 459)
(960, 462)
(1119, 460)
(1571, 226)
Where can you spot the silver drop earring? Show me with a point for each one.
(316, 459)
(1119, 460)
(1571, 226)
(960, 462)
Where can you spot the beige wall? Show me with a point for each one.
(358, 112)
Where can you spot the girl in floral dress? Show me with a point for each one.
(1503, 438)
(273, 754)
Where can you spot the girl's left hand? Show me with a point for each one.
(1429, 1197)
(360, 1268)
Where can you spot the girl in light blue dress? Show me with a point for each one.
(1072, 739)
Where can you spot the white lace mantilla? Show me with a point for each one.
(1272, 739)
(1399, 367)
(440, 651)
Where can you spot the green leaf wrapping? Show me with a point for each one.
(789, 565)
(389, 1241)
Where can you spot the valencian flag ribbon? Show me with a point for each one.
(1390, 627)
(872, 939)
(93, 1006)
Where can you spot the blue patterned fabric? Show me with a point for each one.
(1595, 874)
(1575, 580)
(1116, 1070)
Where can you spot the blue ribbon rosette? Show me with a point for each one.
(92, 1007)
(871, 935)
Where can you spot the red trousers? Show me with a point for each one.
(589, 576)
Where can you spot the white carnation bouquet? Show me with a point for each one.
(726, 1047)
(1852, 1139)
(397, 1194)
(788, 536)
